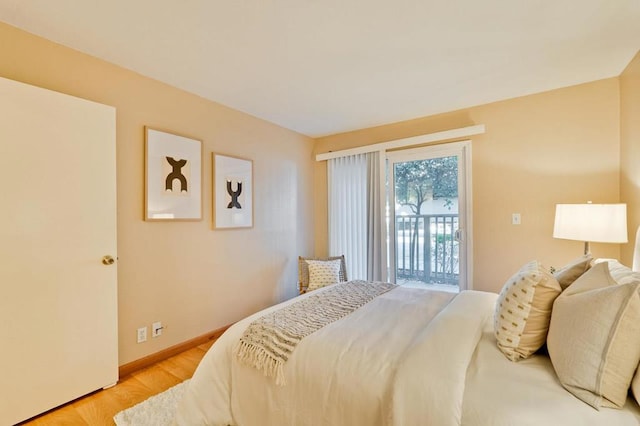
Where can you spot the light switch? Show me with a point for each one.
(515, 219)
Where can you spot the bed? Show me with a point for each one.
(407, 357)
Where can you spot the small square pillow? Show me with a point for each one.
(594, 337)
(323, 273)
(572, 270)
(523, 311)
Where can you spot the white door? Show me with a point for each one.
(429, 216)
(58, 301)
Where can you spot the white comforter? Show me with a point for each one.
(409, 357)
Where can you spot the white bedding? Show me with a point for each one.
(499, 392)
(409, 357)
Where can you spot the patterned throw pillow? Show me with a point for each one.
(323, 273)
(523, 311)
(594, 337)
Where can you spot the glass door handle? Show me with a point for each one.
(458, 235)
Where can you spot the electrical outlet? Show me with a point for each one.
(142, 334)
(156, 329)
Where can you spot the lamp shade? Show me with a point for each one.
(599, 223)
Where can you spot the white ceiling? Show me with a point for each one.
(327, 66)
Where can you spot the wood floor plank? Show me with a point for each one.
(206, 346)
(99, 407)
(179, 367)
(182, 365)
(130, 392)
(66, 415)
(157, 379)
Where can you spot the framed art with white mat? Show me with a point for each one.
(232, 192)
(173, 176)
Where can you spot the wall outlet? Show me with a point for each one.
(142, 334)
(156, 329)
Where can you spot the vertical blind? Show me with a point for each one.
(355, 227)
(375, 234)
(348, 205)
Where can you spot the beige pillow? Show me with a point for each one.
(624, 275)
(594, 337)
(572, 271)
(635, 385)
(323, 273)
(523, 311)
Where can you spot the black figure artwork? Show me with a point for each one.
(234, 195)
(176, 173)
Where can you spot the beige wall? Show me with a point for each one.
(185, 274)
(630, 150)
(560, 146)
(539, 150)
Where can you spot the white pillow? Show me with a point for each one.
(620, 273)
(323, 273)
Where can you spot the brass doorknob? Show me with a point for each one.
(108, 260)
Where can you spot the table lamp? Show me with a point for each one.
(598, 223)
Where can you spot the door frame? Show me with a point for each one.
(462, 150)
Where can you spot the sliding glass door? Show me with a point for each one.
(428, 208)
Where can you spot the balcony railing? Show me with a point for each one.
(426, 248)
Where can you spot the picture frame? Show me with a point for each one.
(232, 192)
(173, 177)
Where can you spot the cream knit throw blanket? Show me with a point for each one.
(269, 341)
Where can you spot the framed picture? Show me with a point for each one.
(173, 177)
(232, 192)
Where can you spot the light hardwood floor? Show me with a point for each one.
(99, 407)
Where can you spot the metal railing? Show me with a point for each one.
(426, 248)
